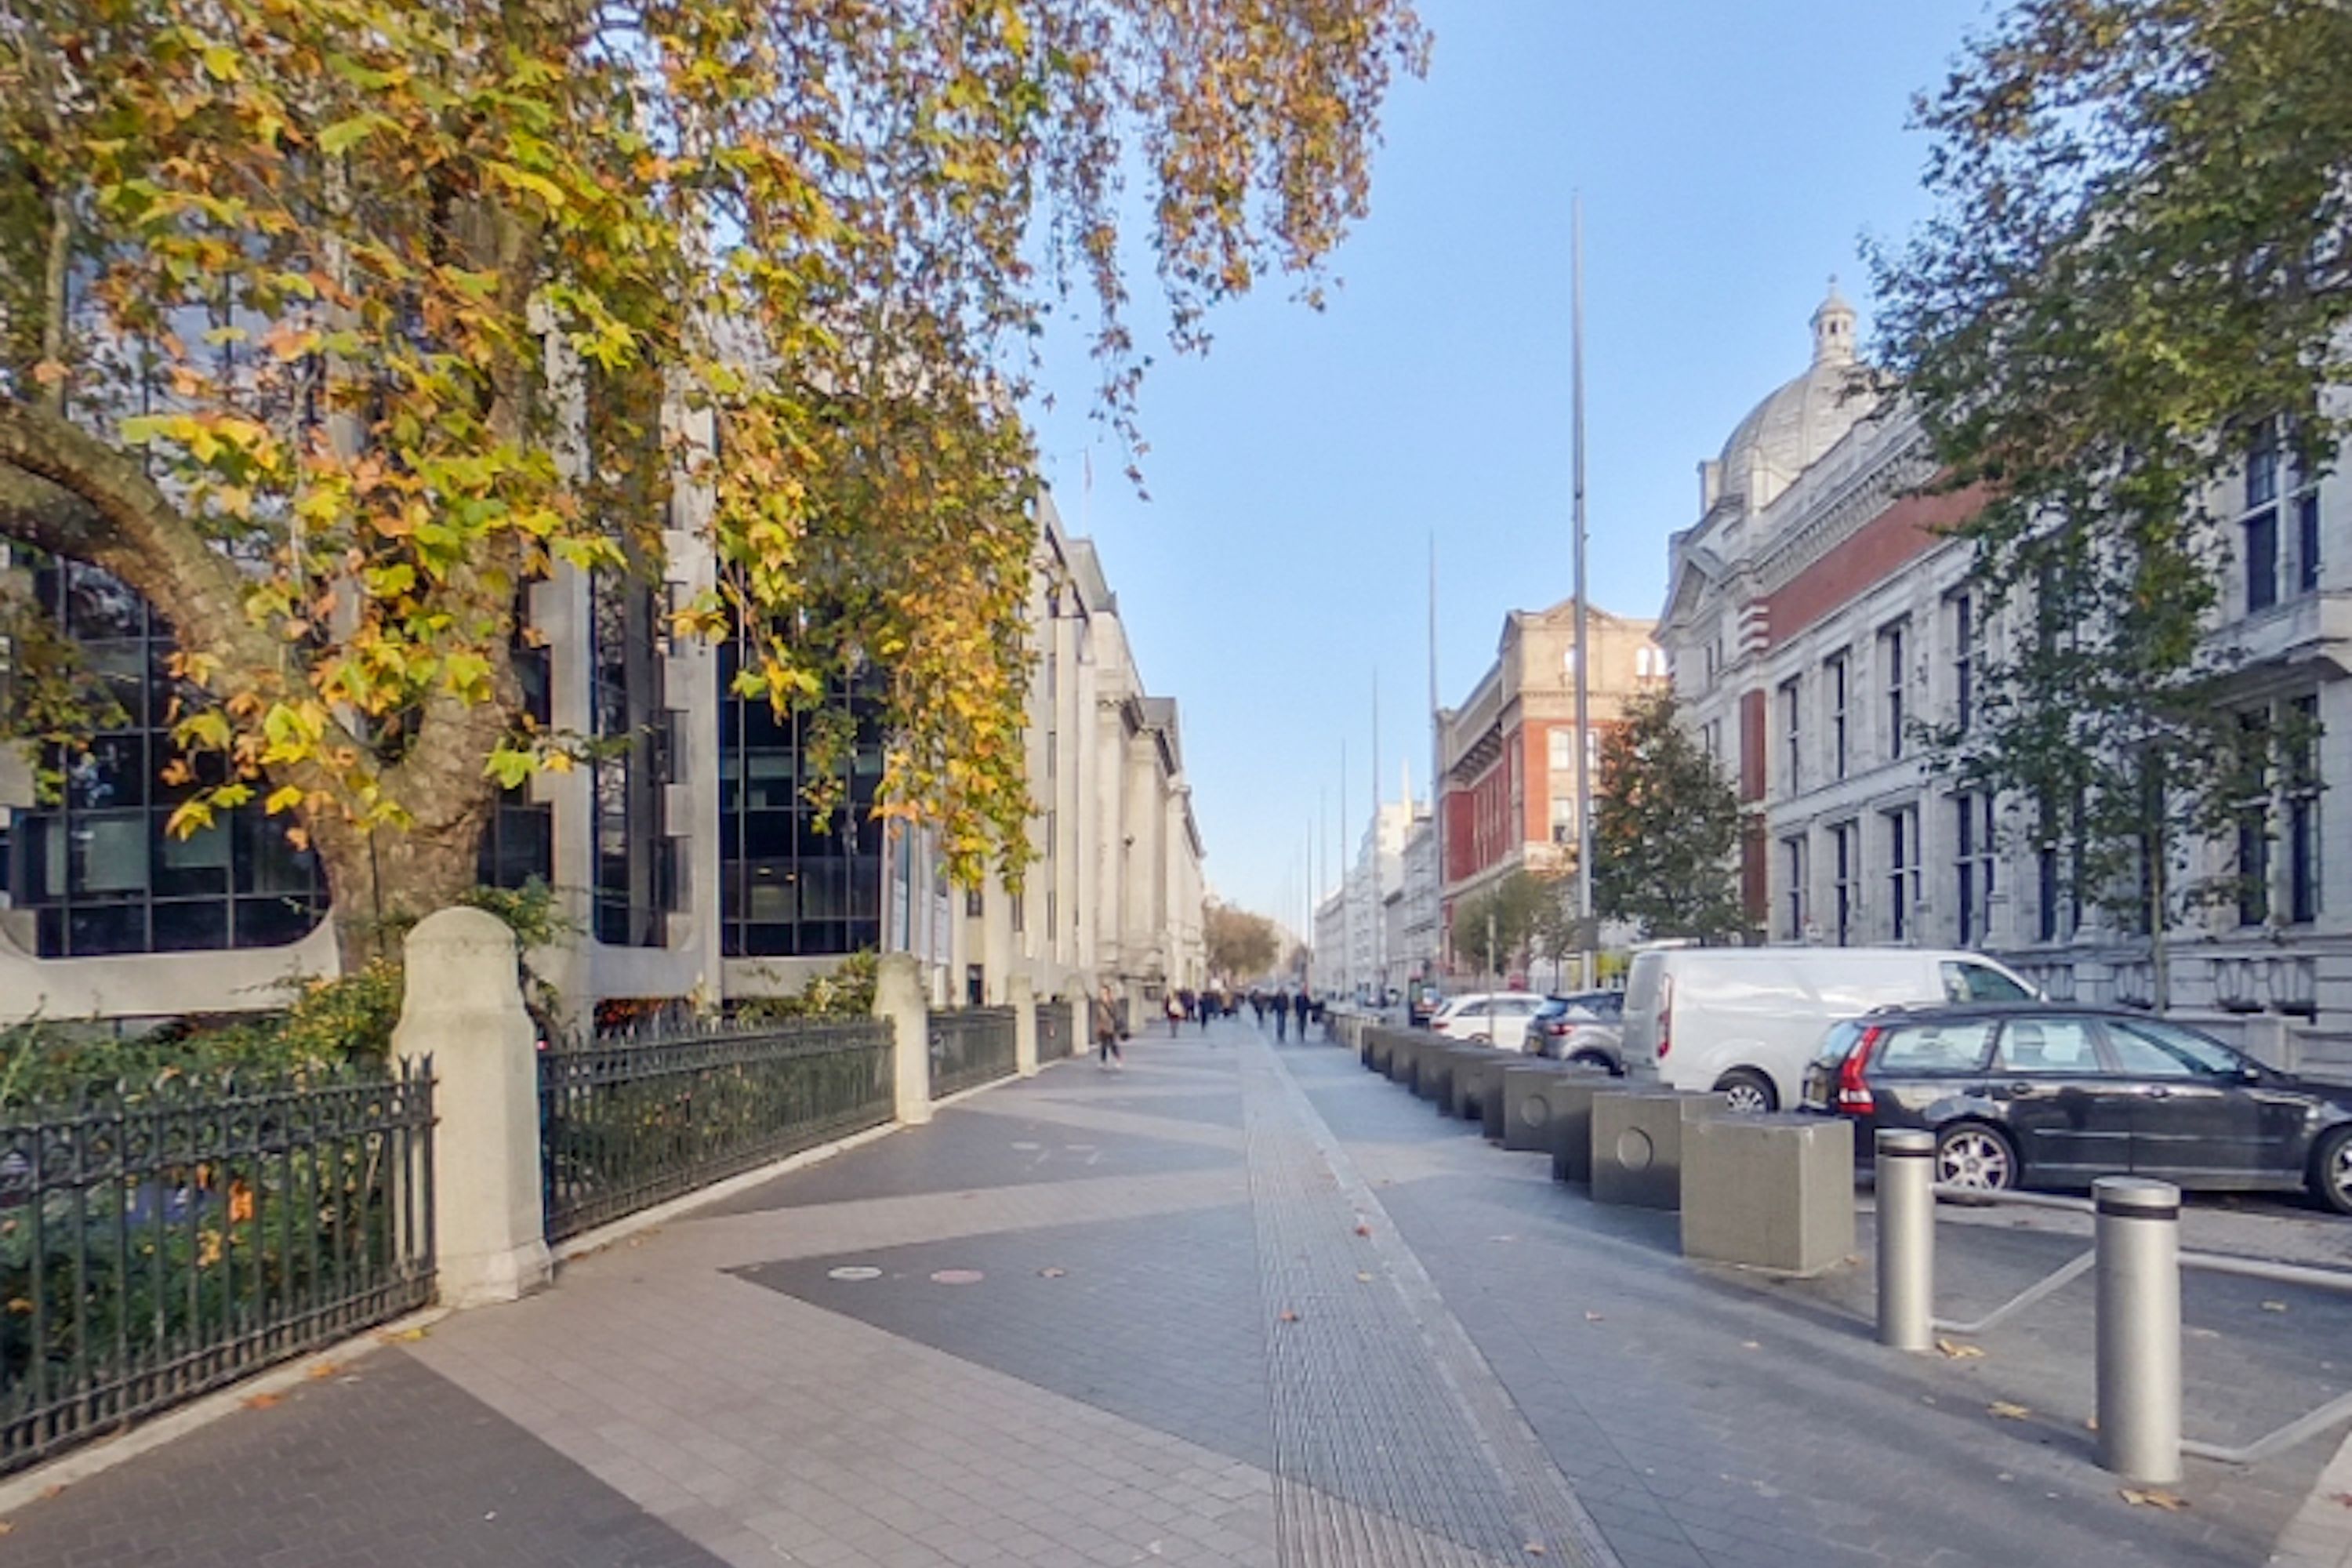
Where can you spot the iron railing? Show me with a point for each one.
(1052, 1031)
(969, 1047)
(627, 1124)
(157, 1245)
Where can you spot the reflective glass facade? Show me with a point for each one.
(788, 887)
(95, 866)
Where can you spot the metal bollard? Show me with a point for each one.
(2139, 1327)
(1906, 1238)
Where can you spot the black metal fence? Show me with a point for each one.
(627, 1124)
(1052, 1031)
(155, 1248)
(969, 1047)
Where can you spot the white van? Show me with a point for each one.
(1744, 1021)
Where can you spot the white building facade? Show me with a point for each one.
(1819, 618)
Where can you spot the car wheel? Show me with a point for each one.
(1477, 1041)
(1747, 1092)
(2331, 1171)
(1595, 1059)
(1973, 1155)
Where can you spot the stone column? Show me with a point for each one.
(1024, 997)
(899, 999)
(463, 1005)
(1082, 1013)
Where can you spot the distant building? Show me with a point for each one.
(1508, 752)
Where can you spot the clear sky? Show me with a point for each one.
(1730, 154)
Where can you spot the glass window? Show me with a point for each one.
(2307, 548)
(1563, 757)
(2262, 560)
(1965, 982)
(1935, 1047)
(2152, 1048)
(2046, 1045)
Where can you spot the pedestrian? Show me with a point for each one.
(1208, 1010)
(1257, 1006)
(1175, 1011)
(1106, 1023)
(1306, 1009)
(1281, 1000)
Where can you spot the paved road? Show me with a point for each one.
(1234, 1304)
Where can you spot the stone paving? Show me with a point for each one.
(1233, 1304)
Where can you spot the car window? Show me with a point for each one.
(1965, 982)
(1935, 1047)
(2046, 1045)
(1838, 1044)
(2153, 1049)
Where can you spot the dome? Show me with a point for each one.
(1802, 420)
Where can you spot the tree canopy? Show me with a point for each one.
(1666, 828)
(329, 326)
(1242, 946)
(2136, 291)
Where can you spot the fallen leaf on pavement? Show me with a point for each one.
(2342, 1500)
(261, 1400)
(1592, 1317)
(1751, 1344)
(5, 1527)
(2008, 1411)
(1363, 1279)
(393, 1337)
(1051, 1273)
(1958, 1351)
(321, 1370)
(1534, 1548)
(2274, 1306)
(1363, 1230)
(2090, 1423)
(52, 1492)
(2152, 1497)
(1289, 1316)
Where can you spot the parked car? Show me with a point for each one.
(1585, 1028)
(2044, 1094)
(1744, 1022)
(1497, 1019)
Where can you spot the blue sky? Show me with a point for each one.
(1730, 154)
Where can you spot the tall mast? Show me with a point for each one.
(1587, 937)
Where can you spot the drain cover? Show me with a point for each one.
(958, 1276)
(855, 1271)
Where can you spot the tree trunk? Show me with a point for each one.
(384, 881)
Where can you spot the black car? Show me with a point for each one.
(2041, 1094)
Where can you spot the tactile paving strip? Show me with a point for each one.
(1394, 1443)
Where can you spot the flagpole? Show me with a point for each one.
(1588, 938)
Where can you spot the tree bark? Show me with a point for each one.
(384, 880)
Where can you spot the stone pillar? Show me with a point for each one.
(1022, 994)
(1082, 1014)
(463, 1005)
(899, 999)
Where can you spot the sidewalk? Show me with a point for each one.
(1233, 1304)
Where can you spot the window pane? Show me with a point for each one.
(1936, 1049)
(109, 853)
(188, 926)
(2047, 1045)
(2262, 561)
(2166, 1051)
(195, 864)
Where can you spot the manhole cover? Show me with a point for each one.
(958, 1276)
(855, 1271)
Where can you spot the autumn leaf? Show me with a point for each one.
(1955, 1351)
(2153, 1498)
(319, 1371)
(1287, 1316)
(2007, 1411)
(1050, 1273)
(263, 1400)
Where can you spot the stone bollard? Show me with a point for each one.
(463, 1006)
(1081, 1017)
(898, 998)
(1024, 997)
(1769, 1192)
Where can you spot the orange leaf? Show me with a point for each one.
(262, 1401)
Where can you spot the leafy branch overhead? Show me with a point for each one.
(331, 328)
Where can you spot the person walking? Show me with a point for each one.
(1106, 1026)
(1306, 1009)
(1281, 1000)
(1174, 1010)
(1209, 1009)
(1257, 1007)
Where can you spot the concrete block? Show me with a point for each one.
(1434, 1081)
(1405, 1058)
(1770, 1191)
(1637, 1143)
(1526, 1114)
(899, 1001)
(1477, 1079)
(1378, 1046)
(1571, 1097)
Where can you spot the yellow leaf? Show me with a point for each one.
(284, 798)
(1955, 1351)
(2152, 1496)
(2006, 1411)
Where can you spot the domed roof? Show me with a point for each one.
(1792, 428)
